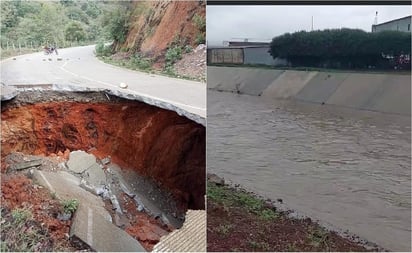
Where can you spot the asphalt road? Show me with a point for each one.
(78, 66)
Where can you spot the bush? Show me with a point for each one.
(173, 54)
(103, 50)
(200, 38)
(340, 48)
(70, 206)
(74, 32)
(200, 23)
(141, 62)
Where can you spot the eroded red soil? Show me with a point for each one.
(155, 25)
(157, 143)
(19, 192)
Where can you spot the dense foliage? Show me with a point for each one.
(342, 48)
(36, 23)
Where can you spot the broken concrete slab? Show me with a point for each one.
(79, 161)
(67, 186)
(106, 160)
(8, 92)
(101, 235)
(121, 220)
(92, 224)
(27, 165)
(95, 175)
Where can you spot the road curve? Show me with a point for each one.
(78, 66)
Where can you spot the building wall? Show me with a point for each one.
(225, 55)
(403, 25)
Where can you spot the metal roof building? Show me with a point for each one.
(400, 24)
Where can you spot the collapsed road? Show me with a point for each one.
(79, 67)
(148, 156)
(148, 142)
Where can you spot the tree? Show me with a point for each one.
(74, 32)
(340, 48)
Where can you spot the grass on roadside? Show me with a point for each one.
(20, 232)
(7, 53)
(229, 197)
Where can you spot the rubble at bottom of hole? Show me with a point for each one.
(97, 178)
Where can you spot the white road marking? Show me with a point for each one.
(47, 182)
(138, 93)
(90, 226)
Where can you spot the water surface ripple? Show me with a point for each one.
(346, 167)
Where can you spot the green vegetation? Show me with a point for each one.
(224, 229)
(200, 23)
(173, 54)
(28, 26)
(74, 32)
(140, 62)
(239, 198)
(342, 48)
(21, 215)
(35, 23)
(103, 50)
(20, 232)
(116, 23)
(70, 205)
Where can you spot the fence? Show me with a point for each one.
(36, 45)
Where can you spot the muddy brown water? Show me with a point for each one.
(348, 168)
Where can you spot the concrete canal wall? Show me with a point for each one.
(389, 93)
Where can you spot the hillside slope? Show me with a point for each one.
(157, 25)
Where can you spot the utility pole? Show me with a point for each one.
(376, 19)
(312, 23)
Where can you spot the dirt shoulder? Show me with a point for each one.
(240, 221)
(29, 209)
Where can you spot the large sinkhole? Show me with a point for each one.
(157, 143)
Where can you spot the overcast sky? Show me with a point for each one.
(265, 22)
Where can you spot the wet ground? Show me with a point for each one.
(347, 168)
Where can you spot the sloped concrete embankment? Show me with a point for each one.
(389, 93)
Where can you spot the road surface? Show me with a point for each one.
(78, 66)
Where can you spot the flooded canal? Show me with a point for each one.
(348, 168)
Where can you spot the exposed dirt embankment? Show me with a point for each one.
(157, 143)
(154, 25)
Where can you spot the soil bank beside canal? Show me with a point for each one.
(238, 220)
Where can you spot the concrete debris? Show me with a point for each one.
(8, 92)
(139, 203)
(126, 190)
(121, 221)
(28, 164)
(64, 216)
(115, 203)
(80, 161)
(106, 160)
(100, 234)
(95, 175)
